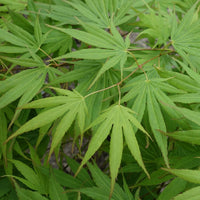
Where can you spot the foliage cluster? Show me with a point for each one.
(73, 73)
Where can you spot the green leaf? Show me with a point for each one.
(108, 64)
(157, 123)
(103, 182)
(192, 194)
(63, 178)
(186, 174)
(184, 35)
(189, 136)
(56, 191)
(19, 89)
(5, 187)
(47, 102)
(21, 33)
(117, 118)
(191, 115)
(12, 49)
(38, 32)
(41, 120)
(173, 188)
(92, 53)
(4, 132)
(87, 38)
(116, 148)
(186, 98)
(24, 194)
(62, 127)
(83, 174)
(29, 174)
(9, 37)
(25, 62)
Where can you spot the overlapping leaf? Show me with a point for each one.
(185, 36)
(150, 95)
(96, 12)
(158, 26)
(119, 121)
(112, 47)
(69, 107)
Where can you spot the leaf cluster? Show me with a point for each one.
(115, 83)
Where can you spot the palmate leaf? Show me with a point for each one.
(158, 26)
(19, 85)
(102, 188)
(180, 81)
(114, 47)
(31, 177)
(120, 121)
(101, 12)
(185, 36)
(150, 95)
(68, 108)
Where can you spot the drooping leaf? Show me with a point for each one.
(115, 119)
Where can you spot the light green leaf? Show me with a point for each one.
(41, 120)
(191, 115)
(18, 90)
(47, 102)
(12, 81)
(12, 49)
(157, 123)
(9, 37)
(186, 174)
(62, 127)
(116, 148)
(96, 141)
(118, 118)
(173, 188)
(192, 194)
(91, 53)
(186, 98)
(133, 145)
(185, 36)
(189, 136)
(21, 33)
(25, 62)
(38, 32)
(87, 37)
(108, 64)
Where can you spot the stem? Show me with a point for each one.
(120, 82)
(101, 90)
(134, 58)
(119, 94)
(143, 49)
(48, 56)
